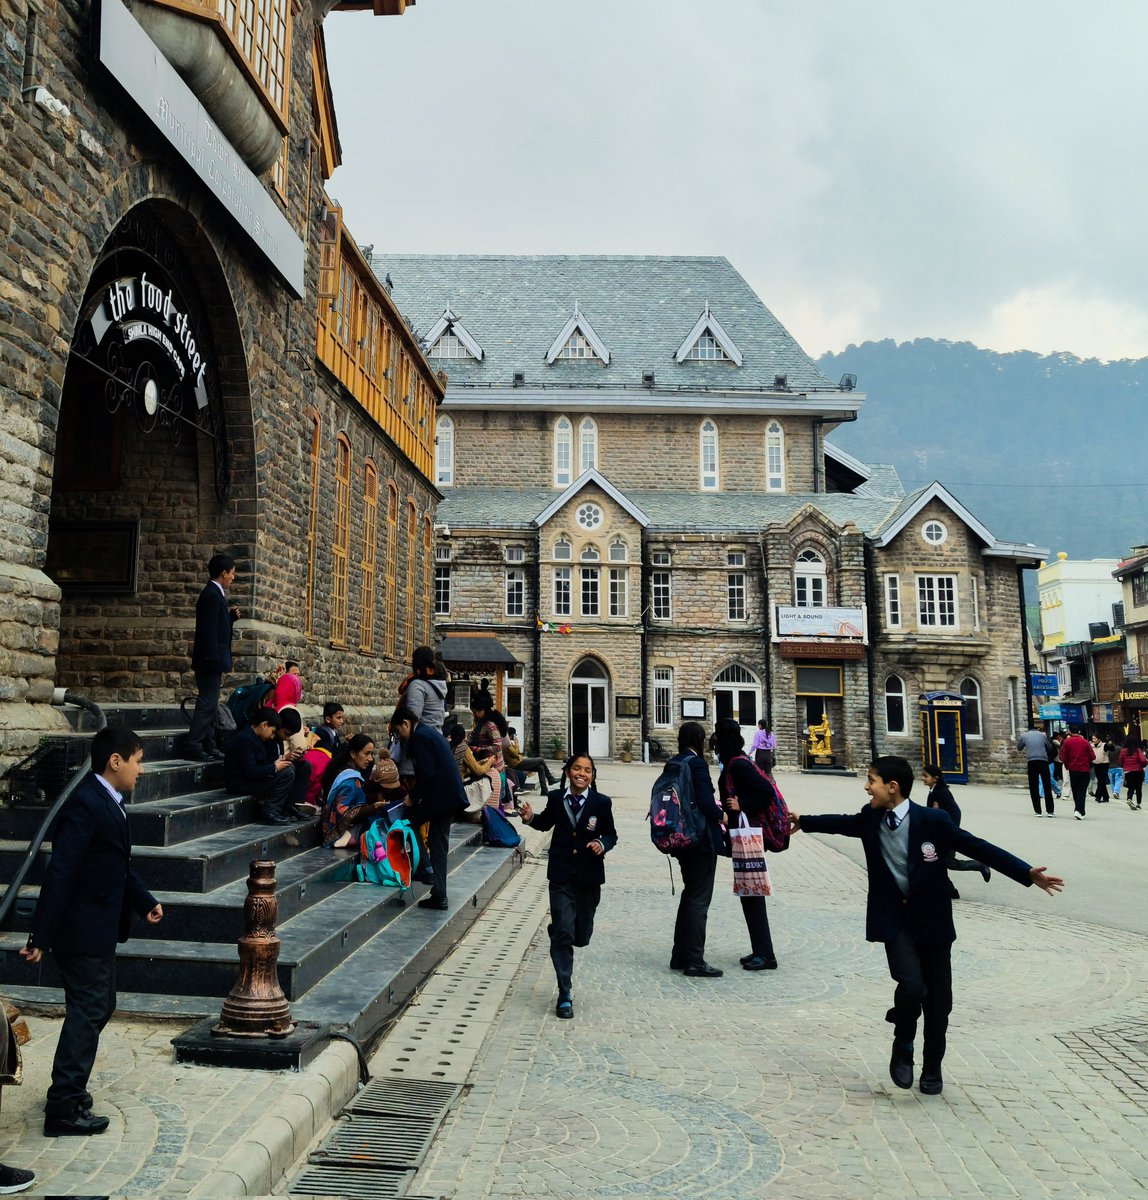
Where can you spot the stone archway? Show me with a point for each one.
(153, 456)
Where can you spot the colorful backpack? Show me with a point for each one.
(388, 854)
(675, 823)
(246, 698)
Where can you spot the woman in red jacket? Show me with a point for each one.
(1133, 761)
(1076, 755)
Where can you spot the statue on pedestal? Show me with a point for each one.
(820, 738)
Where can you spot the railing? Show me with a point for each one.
(30, 856)
(365, 343)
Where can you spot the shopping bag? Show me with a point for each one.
(747, 849)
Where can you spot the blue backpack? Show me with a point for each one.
(497, 830)
(388, 854)
(675, 823)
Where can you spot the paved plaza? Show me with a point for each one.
(769, 1084)
(776, 1083)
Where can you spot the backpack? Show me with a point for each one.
(497, 830)
(775, 826)
(388, 853)
(246, 698)
(675, 823)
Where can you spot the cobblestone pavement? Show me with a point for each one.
(775, 1083)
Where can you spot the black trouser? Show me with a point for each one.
(572, 908)
(1038, 774)
(435, 850)
(1078, 781)
(275, 793)
(698, 868)
(302, 782)
(537, 764)
(924, 979)
(1100, 770)
(1134, 782)
(208, 685)
(757, 922)
(89, 1001)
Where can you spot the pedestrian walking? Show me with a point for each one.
(1100, 767)
(1115, 770)
(1133, 762)
(941, 797)
(909, 908)
(85, 907)
(211, 655)
(1037, 747)
(1077, 758)
(583, 822)
(699, 864)
(764, 747)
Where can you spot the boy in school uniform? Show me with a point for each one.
(583, 823)
(910, 909)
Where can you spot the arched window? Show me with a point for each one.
(563, 549)
(809, 580)
(971, 691)
(341, 542)
(895, 706)
(774, 457)
(391, 562)
(563, 452)
(444, 452)
(587, 445)
(427, 560)
(737, 694)
(412, 558)
(709, 457)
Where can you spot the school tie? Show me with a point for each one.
(575, 808)
(892, 820)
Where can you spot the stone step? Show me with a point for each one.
(140, 717)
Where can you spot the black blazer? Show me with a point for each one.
(89, 890)
(705, 800)
(212, 648)
(927, 912)
(943, 799)
(248, 761)
(570, 861)
(437, 790)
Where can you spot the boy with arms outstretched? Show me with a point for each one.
(910, 908)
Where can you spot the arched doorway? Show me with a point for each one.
(142, 483)
(737, 694)
(590, 709)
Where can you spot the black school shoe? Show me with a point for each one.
(79, 1123)
(14, 1179)
(901, 1064)
(931, 1081)
(704, 971)
(564, 1009)
(437, 902)
(755, 962)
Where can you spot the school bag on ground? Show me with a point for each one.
(388, 854)
(675, 823)
(497, 830)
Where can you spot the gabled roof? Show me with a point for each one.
(596, 477)
(913, 504)
(708, 323)
(449, 322)
(578, 322)
(643, 307)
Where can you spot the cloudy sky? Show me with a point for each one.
(875, 168)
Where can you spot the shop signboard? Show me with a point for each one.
(1102, 714)
(1073, 713)
(1045, 685)
(1049, 712)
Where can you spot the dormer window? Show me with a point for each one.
(577, 347)
(449, 338)
(708, 342)
(577, 341)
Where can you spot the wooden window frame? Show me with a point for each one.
(392, 552)
(369, 562)
(412, 555)
(341, 542)
(313, 526)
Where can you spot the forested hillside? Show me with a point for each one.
(1050, 449)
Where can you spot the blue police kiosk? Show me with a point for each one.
(943, 733)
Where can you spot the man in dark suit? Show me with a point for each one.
(583, 823)
(255, 766)
(436, 795)
(86, 901)
(699, 865)
(211, 655)
(910, 907)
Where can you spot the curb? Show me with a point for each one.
(308, 1103)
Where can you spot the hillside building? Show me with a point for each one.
(644, 522)
(197, 359)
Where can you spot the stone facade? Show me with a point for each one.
(88, 188)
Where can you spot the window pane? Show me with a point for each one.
(562, 592)
(660, 599)
(589, 591)
(442, 591)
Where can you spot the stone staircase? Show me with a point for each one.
(351, 954)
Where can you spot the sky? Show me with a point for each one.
(973, 170)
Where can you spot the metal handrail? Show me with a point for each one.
(17, 881)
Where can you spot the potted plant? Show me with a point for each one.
(627, 749)
(556, 747)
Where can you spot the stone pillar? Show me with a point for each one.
(256, 1006)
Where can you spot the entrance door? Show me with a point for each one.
(589, 722)
(737, 694)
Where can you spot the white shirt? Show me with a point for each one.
(112, 792)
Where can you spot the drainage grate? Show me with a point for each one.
(383, 1141)
(405, 1098)
(372, 1183)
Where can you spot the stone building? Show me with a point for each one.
(643, 516)
(196, 359)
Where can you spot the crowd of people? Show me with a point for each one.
(1098, 766)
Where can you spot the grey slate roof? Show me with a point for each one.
(642, 307)
(730, 512)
